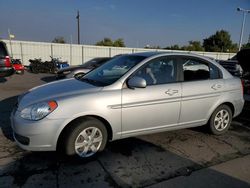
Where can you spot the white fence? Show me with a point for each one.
(78, 54)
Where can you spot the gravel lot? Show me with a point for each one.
(175, 159)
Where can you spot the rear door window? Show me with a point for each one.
(197, 69)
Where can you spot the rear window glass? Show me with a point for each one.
(194, 69)
(3, 51)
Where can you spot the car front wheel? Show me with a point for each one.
(220, 120)
(86, 138)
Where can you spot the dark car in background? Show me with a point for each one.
(6, 68)
(80, 70)
(239, 65)
(243, 58)
(232, 65)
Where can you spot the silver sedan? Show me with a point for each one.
(130, 95)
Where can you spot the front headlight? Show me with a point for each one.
(38, 111)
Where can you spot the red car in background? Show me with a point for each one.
(6, 68)
(18, 66)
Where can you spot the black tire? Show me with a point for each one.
(73, 133)
(222, 128)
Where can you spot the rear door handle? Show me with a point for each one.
(171, 92)
(216, 86)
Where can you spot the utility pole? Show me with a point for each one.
(71, 49)
(245, 11)
(10, 37)
(78, 26)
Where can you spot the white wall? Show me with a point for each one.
(78, 54)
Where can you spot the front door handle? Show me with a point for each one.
(216, 86)
(171, 92)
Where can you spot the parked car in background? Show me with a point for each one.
(232, 65)
(18, 66)
(243, 58)
(6, 68)
(238, 66)
(129, 95)
(80, 70)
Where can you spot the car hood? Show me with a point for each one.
(54, 90)
(243, 58)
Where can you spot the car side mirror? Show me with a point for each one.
(137, 82)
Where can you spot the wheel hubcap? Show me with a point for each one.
(88, 142)
(221, 120)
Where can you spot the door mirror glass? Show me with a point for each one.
(137, 82)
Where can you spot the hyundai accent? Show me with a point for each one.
(129, 95)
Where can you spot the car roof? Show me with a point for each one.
(148, 54)
(151, 54)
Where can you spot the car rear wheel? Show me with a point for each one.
(86, 138)
(220, 120)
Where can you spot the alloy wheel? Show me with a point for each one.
(88, 142)
(221, 120)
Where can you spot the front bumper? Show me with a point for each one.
(39, 135)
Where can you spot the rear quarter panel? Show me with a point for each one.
(232, 93)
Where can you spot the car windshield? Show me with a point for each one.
(111, 71)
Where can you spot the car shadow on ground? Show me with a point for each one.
(48, 79)
(2, 80)
(6, 107)
(130, 162)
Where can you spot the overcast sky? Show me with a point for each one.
(138, 22)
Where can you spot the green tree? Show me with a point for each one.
(109, 42)
(119, 43)
(218, 42)
(193, 46)
(173, 47)
(234, 48)
(105, 42)
(59, 39)
(247, 45)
